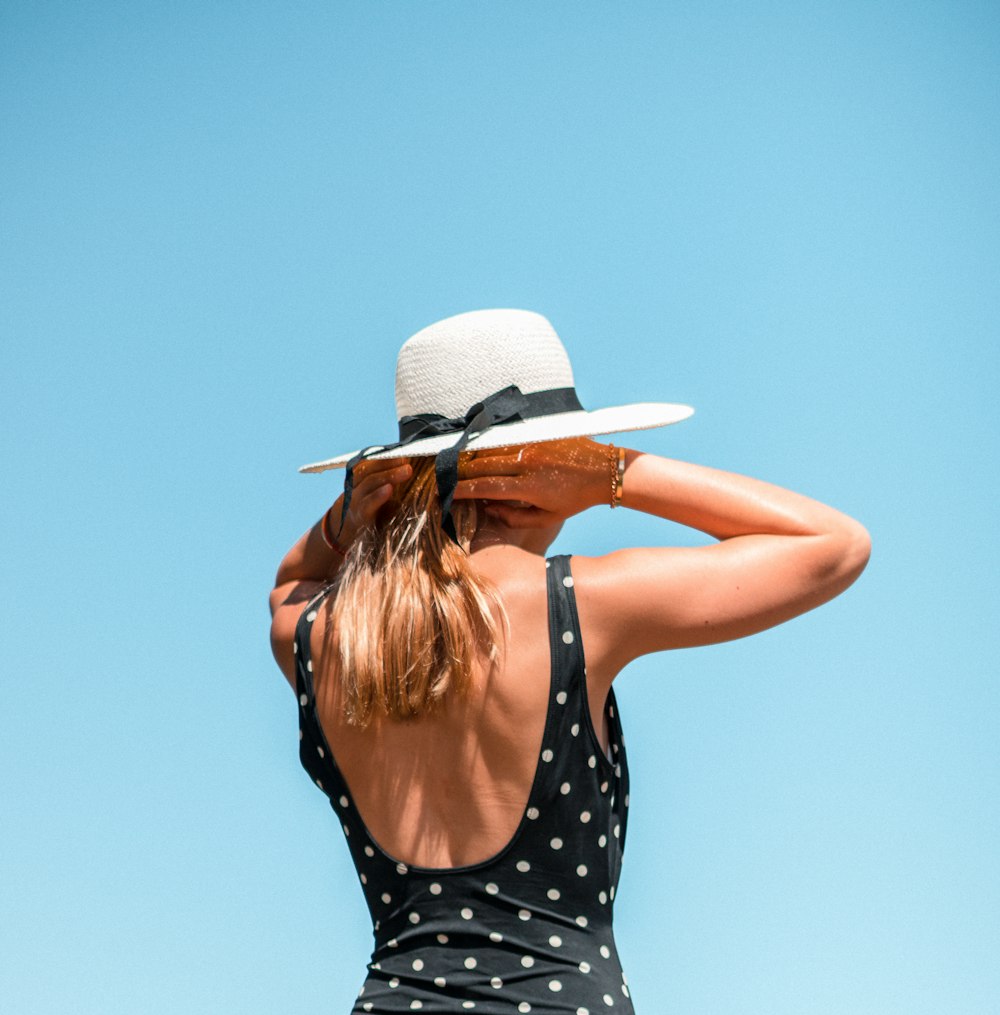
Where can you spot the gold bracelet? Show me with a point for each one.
(620, 477)
(617, 474)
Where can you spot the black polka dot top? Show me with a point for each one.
(528, 930)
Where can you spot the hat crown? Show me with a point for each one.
(451, 365)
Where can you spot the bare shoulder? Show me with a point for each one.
(637, 601)
(287, 603)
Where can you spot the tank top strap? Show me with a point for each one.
(314, 751)
(566, 645)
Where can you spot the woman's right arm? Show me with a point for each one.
(779, 553)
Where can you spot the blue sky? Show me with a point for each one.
(221, 221)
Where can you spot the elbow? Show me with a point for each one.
(850, 552)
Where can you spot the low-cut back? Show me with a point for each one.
(528, 928)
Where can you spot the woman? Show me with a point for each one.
(455, 687)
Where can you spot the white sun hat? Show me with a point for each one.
(488, 379)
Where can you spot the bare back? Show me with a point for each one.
(449, 789)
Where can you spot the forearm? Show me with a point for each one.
(310, 559)
(725, 504)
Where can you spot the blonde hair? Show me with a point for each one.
(409, 617)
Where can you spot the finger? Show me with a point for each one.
(373, 480)
(376, 467)
(489, 488)
(369, 504)
(489, 465)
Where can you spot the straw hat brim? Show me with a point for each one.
(615, 419)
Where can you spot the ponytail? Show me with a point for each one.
(410, 618)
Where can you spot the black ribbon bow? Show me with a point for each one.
(509, 405)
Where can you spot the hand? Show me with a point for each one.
(537, 485)
(375, 483)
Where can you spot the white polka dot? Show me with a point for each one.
(582, 870)
(532, 813)
(343, 801)
(626, 799)
(561, 697)
(523, 866)
(568, 581)
(492, 888)
(303, 700)
(416, 1004)
(547, 564)
(609, 1000)
(565, 788)
(309, 665)
(364, 879)
(583, 1011)
(553, 894)
(612, 891)
(602, 897)
(555, 986)
(434, 888)
(617, 831)
(347, 831)
(319, 783)
(575, 728)
(555, 941)
(584, 967)
(568, 637)
(556, 843)
(300, 734)
(496, 937)
(524, 1007)
(418, 964)
(440, 981)
(524, 914)
(585, 816)
(581, 921)
(602, 841)
(466, 913)
(442, 939)
(592, 761)
(369, 851)
(468, 1004)
(394, 982)
(295, 646)
(527, 961)
(319, 750)
(604, 787)
(401, 868)
(611, 711)
(392, 943)
(625, 990)
(376, 965)
(547, 755)
(414, 918)
(311, 616)
(368, 1006)
(605, 952)
(386, 898)
(470, 963)
(496, 983)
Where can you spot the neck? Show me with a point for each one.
(493, 533)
